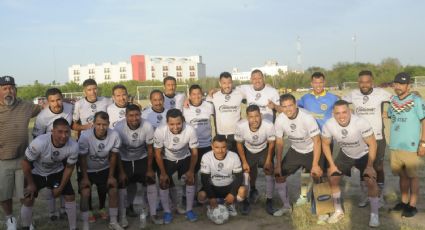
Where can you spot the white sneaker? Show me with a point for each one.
(335, 217)
(301, 201)
(123, 222)
(282, 211)
(322, 219)
(232, 210)
(374, 220)
(180, 209)
(32, 227)
(11, 223)
(115, 226)
(364, 201)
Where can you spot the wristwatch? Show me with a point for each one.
(422, 143)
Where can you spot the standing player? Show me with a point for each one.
(44, 167)
(176, 150)
(304, 135)
(99, 149)
(116, 110)
(227, 109)
(368, 103)
(407, 142)
(358, 149)
(136, 164)
(260, 94)
(255, 142)
(221, 175)
(171, 98)
(156, 113)
(44, 124)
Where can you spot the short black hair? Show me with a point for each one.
(193, 87)
(257, 71)
(156, 91)
(366, 73)
(225, 75)
(287, 96)
(169, 78)
(88, 82)
(174, 113)
(219, 138)
(317, 75)
(132, 107)
(341, 102)
(102, 115)
(252, 108)
(53, 91)
(119, 86)
(60, 121)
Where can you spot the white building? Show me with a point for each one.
(106, 72)
(271, 68)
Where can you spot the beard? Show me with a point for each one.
(9, 100)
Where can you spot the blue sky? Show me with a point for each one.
(41, 39)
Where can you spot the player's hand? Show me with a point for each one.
(245, 167)
(190, 177)
(213, 203)
(334, 170)
(150, 173)
(164, 180)
(112, 182)
(30, 191)
(122, 178)
(186, 103)
(57, 192)
(316, 171)
(87, 126)
(369, 172)
(421, 151)
(268, 168)
(271, 105)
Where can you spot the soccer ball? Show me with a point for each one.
(218, 215)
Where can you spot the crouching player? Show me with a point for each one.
(221, 176)
(45, 156)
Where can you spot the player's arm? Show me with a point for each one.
(66, 176)
(193, 145)
(316, 171)
(113, 159)
(326, 147)
(79, 127)
(149, 172)
(371, 142)
(279, 155)
(242, 156)
(163, 177)
(421, 150)
(26, 169)
(121, 172)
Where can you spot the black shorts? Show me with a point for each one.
(180, 166)
(201, 152)
(344, 163)
(222, 191)
(99, 178)
(136, 170)
(231, 143)
(294, 160)
(380, 152)
(256, 160)
(50, 181)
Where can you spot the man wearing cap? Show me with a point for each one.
(15, 115)
(407, 142)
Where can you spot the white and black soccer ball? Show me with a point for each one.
(218, 215)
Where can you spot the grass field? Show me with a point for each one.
(301, 218)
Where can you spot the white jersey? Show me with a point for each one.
(261, 98)
(349, 138)
(46, 158)
(97, 150)
(200, 119)
(115, 113)
(85, 110)
(176, 146)
(256, 141)
(221, 170)
(44, 121)
(175, 102)
(134, 142)
(370, 107)
(154, 118)
(227, 111)
(299, 130)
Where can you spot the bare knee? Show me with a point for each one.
(202, 197)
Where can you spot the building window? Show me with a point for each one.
(165, 74)
(91, 76)
(76, 72)
(122, 69)
(153, 75)
(91, 71)
(191, 67)
(192, 74)
(152, 68)
(76, 79)
(165, 68)
(106, 70)
(122, 76)
(179, 67)
(179, 74)
(107, 77)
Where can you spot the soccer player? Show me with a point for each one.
(44, 124)
(368, 103)
(171, 98)
(358, 146)
(116, 110)
(260, 94)
(136, 164)
(255, 140)
(304, 135)
(43, 167)
(176, 150)
(155, 113)
(407, 142)
(98, 151)
(221, 176)
(227, 109)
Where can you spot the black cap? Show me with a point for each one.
(402, 78)
(7, 80)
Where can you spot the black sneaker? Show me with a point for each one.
(399, 207)
(409, 211)
(253, 196)
(130, 212)
(269, 206)
(246, 207)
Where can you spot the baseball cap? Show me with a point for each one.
(402, 78)
(7, 80)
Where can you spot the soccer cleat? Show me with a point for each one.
(130, 212)
(54, 216)
(269, 206)
(168, 217)
(232, 209)
(335, 217)
(253, 196)
(92, 218)
(282, 211)
(246, 207)
(409, 211)
(374, 220)
(191, 216)
(157, 220)
(399, 207)
(103, 214)
(123, 222)
(301, 201)
(115, 226)
(11, 223)
(322, 219)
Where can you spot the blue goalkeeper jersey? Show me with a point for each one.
(320, 106)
